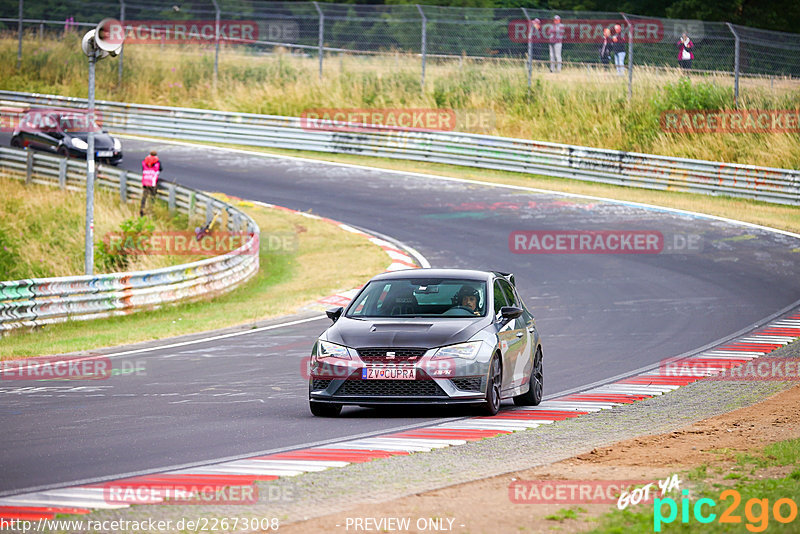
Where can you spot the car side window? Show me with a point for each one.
(499, 298)
(509, 293)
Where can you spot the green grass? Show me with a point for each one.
(784, 453)
(577, 106)
(327, 260)
(566, 513)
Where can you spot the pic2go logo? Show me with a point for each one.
(757, 511)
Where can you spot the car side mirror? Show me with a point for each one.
(334, 313)
(510, 312)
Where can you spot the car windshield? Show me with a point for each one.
(420, 297)
(77, 124)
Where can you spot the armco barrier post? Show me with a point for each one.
(171, 200)
(62, 174)
(735, 65)
(29, 168)
(321, 37)
(424, 42)
(529, 34)
(123, 186)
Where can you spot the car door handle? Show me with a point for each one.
(520, 334)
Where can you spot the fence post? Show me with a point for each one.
(216, 40)
(123, 186)
(529, 35)
(19, 30)
(735, 65)
(122, 49)
(321, 36)
(424, 41)
(29, 168)
(62, 173)
(630, 56)
(171, 199)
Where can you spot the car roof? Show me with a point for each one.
(467, 274)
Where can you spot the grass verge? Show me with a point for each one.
(56, 218)
(753, 492)
(327, 259)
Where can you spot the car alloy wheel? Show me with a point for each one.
(492, 405)
(534, 394)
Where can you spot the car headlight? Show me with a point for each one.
(326, 349)
(466, 351)
(80, 144)
(117, 144)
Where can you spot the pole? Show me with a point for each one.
(216, 38)
(735, 65)
(19, 31)
(630, 56)
(424, 41)
(321, 36)
(529, 34)
(122, 50)
(90, 172)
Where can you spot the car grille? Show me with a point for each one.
(391, 388)
(319, 383)
(472, 383)
(378, 355)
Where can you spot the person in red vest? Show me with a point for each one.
(151, 168)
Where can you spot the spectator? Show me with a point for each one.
(685, 52)
(618, 49)
(556, 40)
(605, 47)
(151, 169)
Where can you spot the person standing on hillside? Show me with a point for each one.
(556, 40)
(685, 52)
(151, 169)
(618, 49)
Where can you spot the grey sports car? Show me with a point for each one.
(429, 336)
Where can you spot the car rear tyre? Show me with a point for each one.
(63, 152)
(492, 404)
(15, 143)
(534, 394)
(321, 409)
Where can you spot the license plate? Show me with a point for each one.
(105, 153)
(388, 373)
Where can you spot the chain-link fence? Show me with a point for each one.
(533, 38)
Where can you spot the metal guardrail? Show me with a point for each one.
(40, 301)
(473, 150)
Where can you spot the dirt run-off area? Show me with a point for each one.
(486, 506)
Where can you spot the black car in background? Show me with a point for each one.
(429, 337)
(65, 132)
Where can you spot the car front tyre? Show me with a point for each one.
(322, 409)
(15, 142)
(492, 404)
(63, 152)
(534, 394)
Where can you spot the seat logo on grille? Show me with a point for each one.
(390, 355)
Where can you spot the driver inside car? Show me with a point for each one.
(468, 297)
